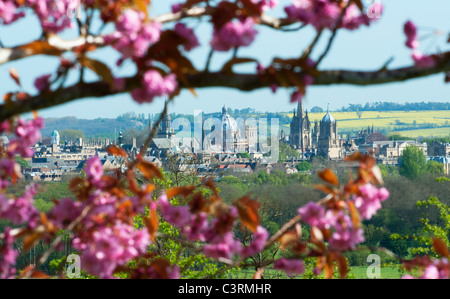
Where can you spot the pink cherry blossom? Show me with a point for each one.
(154, 84)
(326, 14)
(133, 36)
(290, 266)
(312, 214)
(110, 247)
(20, 210)
(410, 31)
(8, 255)
(65, 211)
(345, 236)
(178, 216)
(8, 12)
(423, 61)
(369, 202)
(257, 244)
(53, 15)
(94, 170)
(42, 82)
(296, 96)
(233, 35)
(197, 227)
(188, 35)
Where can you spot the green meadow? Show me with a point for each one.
(405, 123)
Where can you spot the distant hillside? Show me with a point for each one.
(100, 127)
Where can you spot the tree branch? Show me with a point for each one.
(244, 82)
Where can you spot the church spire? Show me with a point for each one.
(300, 108)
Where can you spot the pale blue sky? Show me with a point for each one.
(363, 49)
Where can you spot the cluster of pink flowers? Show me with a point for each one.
(26, 135)
(326, 14)
(153, 85)
(53, 15)
(412, 42)
(219, 244)
(105, 239)
(234, 34)
(9, 12)
(433, 269)
(188, 35)
(344, 235)
(20, 210)
(43, 82)
(369, 202)
(290, 266)
(111, 246)
(133, 36)
(8, 256)
(265, 5)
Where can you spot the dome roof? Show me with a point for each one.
(55, 133)
(328, 118)
(229, 123)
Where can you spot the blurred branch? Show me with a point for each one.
(241, 81)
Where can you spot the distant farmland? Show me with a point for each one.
(408, 124)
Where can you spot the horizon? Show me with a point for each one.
(219, 109)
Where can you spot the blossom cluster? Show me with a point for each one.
(217, 233)
(9, 12)
(133, 35)
(154, 84)
(107, 238)
(327, 14)
(432, 268)
(336, 226)
(53, 15)
(234, 34)
(26, 134)
(20, 210)
(412, 42)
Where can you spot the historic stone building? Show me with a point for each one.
(329, 144)
(438, 149)
(300, 130)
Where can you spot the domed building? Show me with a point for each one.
(328, 142)
(55, 138)
(229, 135)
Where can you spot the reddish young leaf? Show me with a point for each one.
(30, 272)
(152, 224)
(142, 6)
(97, 67)
(328, 176)
(325, 189)
(248, 212)
(149, 170)
(184, 191)
(287, 239)
(342, 266)
(354, 213)
(329, 266)
(14, 74)
(116, 151)
(31, 240)
(440, 247)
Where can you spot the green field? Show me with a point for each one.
(391, 122)
(358, 272)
